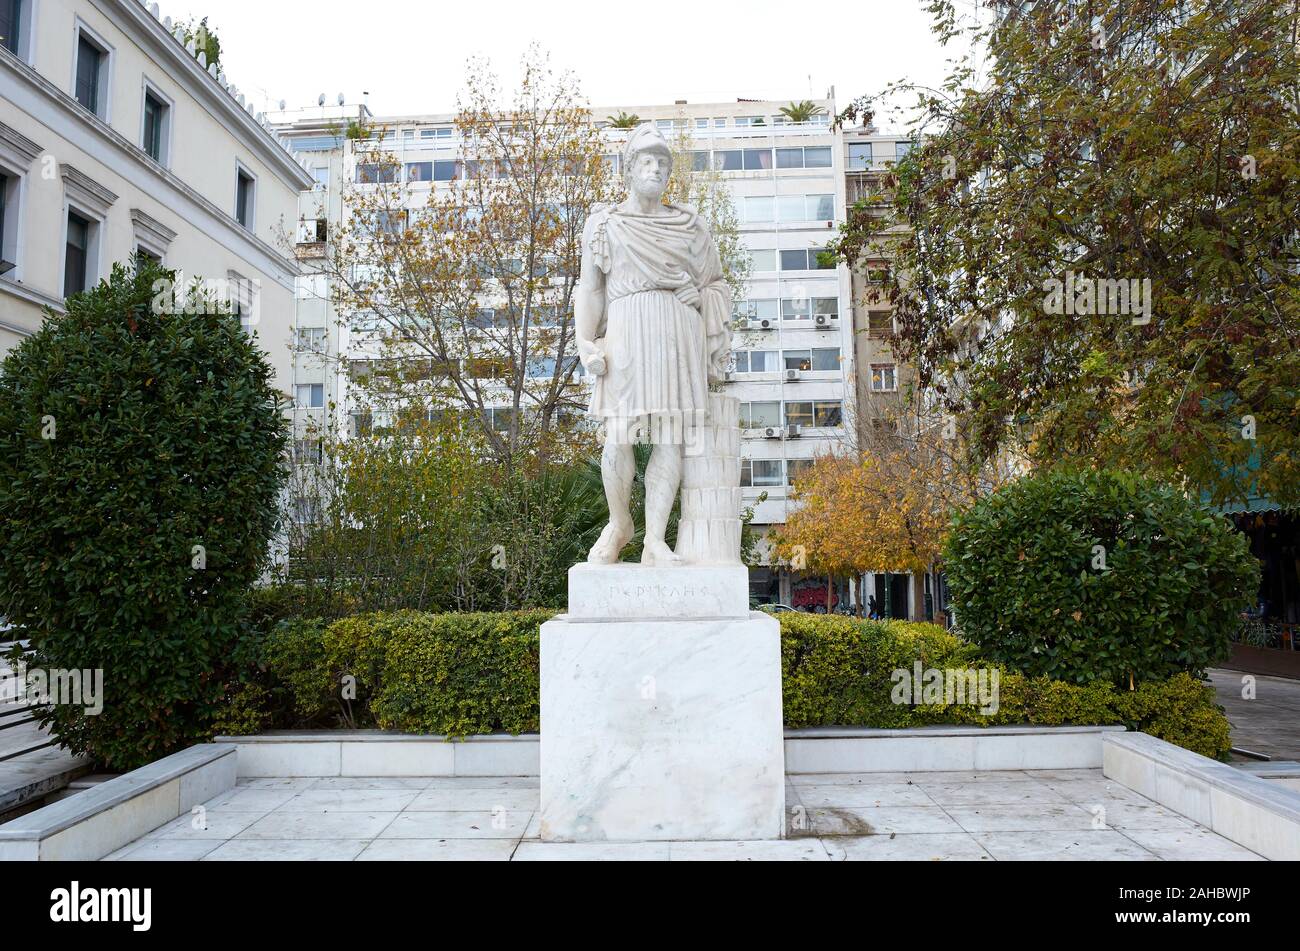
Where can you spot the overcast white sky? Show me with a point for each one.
(411, 56)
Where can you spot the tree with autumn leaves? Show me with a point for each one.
(1150, 142)
(885, 505)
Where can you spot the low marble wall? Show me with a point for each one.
(1259, 814)
(102, 819)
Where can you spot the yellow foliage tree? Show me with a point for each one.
(887, 510)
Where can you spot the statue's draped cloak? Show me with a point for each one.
(660, 353)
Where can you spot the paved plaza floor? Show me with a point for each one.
(979, 816)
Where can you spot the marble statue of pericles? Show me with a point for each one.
(652, 313)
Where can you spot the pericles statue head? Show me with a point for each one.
(647, 161)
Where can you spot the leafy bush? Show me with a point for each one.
(128, 438)
(1098, 576)
(460, 674)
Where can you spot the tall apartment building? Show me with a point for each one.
(798, 355)
(118, 140)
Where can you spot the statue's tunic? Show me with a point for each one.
(660, 353)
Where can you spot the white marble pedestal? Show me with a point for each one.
(658, 728)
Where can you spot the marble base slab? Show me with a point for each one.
(663, 729)
(636, 592)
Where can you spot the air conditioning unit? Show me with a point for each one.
(792, 374)
(772, 432)
(762, 323)
(823, 321)
(793, 431)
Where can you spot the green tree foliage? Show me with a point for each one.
(205, 39)
(1110, 141)
(140, 470)
(1098, 576)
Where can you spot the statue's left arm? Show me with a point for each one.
(715, 308)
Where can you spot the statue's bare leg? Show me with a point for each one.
(617, 470)
(663, 476)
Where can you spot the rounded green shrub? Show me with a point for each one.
(140, 469)
(1083, 576)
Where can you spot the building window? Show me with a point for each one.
(826, 358)
(761, 472)
(804, 308)
(321, 174)
(310, 395)
(757, 308)
(311, 339)
(757, 208)
(796, 468)
(828, 413)
(419, 171)
(880, 324)
(144, 256)
(798, 359)
(8, 223)
(377, 173)
(799, 413)
(859, 156)
(245, 198)
(755, 361)
(764, 260)
(884, 378)
(760, 415)
(77, 254)
(446, 171)
(757, 159)
(15, 26)
(307, 452)
(901, 149)
(91, 77)
(819, 157)
(809, 259)
(700, 161)
(728, 160)
(154, 137)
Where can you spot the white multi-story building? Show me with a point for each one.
(118, 140)
(796, 349)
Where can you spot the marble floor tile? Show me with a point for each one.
(1093, 846)
(286, 850)
(504, 797)
(591, 852)
(165, 850)
(438, 850)
(251, 799)
(1012, 817)
(1197, 844)
(990, 793)
(214, 824)
(319, 825)
(848, 779)
(861, 820)
(783, 850)
(350, 800)
(883, 794)
(476, 824)
(372, 782)
(940, 847)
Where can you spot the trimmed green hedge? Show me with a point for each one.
(462, 674)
